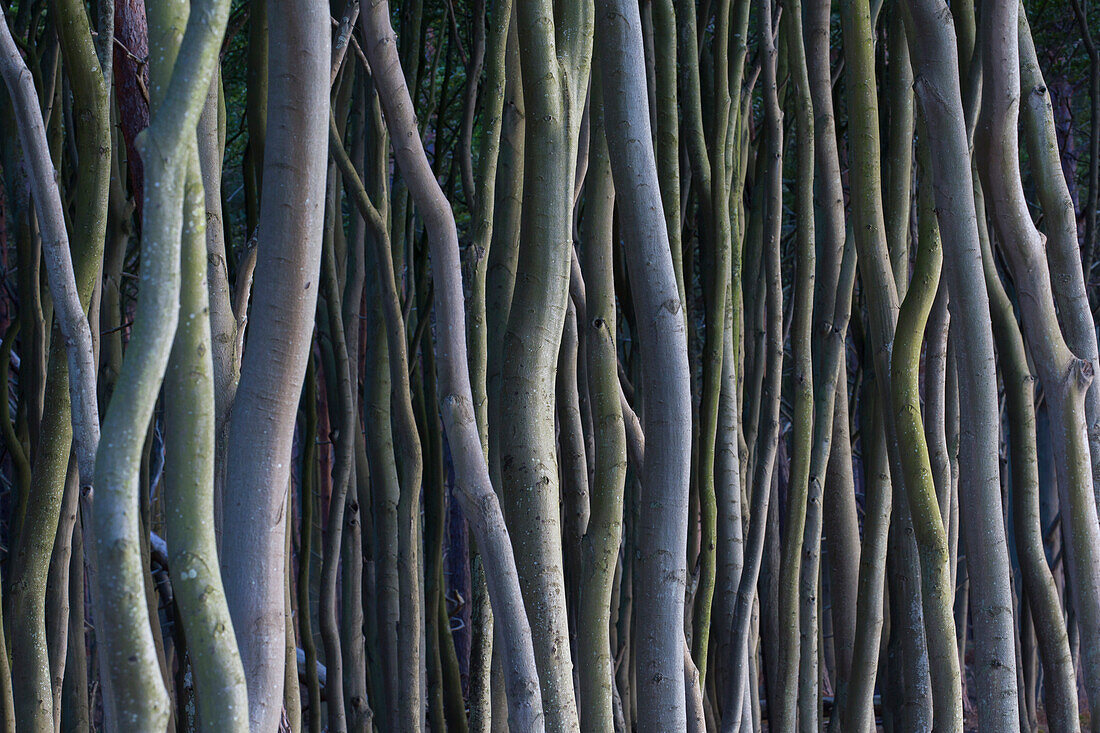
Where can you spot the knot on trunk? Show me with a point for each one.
(1082, 372)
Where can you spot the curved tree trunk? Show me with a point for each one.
(936, 66)
(265, 407)
(480, 504)
(937, 594)
(220, 688)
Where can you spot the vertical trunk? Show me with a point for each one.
(908, 645)
(798, 697)
(479, 502)
(855, 706)
(223, 323)
(571, 453)
(353, 610)
(344, 439)
(484, 193)
(1060, 684)
(192, 547)
(529, 470)
(872, 238)
(71, 403)
(936, 65)
(454, 711)
(832, 494)
(384, 491)
(928, 527)
(602, 540)
(261, 427)
(75, 713)
(769, 354)
(500, 277)
(305, 547)
(717, 252)
(407, 456)
(842, 544)
(662, 527)
(292, 692)
(481, 654)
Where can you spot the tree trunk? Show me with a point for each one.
(265, 407)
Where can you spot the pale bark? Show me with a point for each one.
(601, 541)
(937, 594)
(1066, 377)
(223, 321)
(1060, 684)
(832, 495)
(264, 411)
(480, 504)
(661, 573)
(797, 697)
(529, 466)
(769, 360)
(220, 689)
(936, 68)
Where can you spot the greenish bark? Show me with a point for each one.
(717, 253)
(483, 192)
(842, 544)
(407, 456)
(224, 327)
(179, 83)
(873, 242)
(729, 470)
(529, 464)
(938, 91)
(769, 358)
(443, 712)
(292, 697)
(479, 503)
(218, 676)
(71, 277)
(354, 604)
(600, 545)
(343, 412)
(792, 709)
(500, 276)
(385, 492)
(937, 594)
